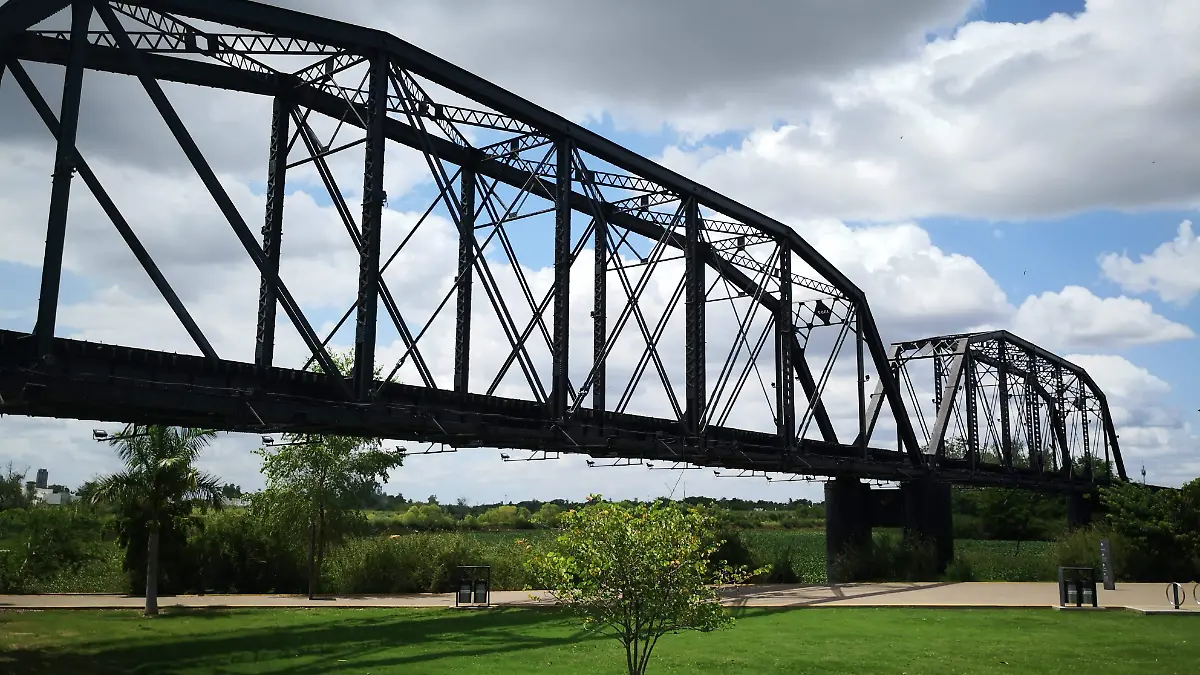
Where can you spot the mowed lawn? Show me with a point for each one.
(415, 641)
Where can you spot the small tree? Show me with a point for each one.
(321, 481)
(638, 572)
(158, 486)
(14, 494)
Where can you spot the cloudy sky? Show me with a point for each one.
(1020, 164)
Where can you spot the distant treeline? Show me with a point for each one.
(979, 513)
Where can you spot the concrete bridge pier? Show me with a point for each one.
(928, 517)
(852, 509)
(848, 511)
(1080, 508)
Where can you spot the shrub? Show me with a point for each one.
(1003, 561)
(783, 570)
(419, 563)
(960, 569)
(44, 542)
(889, 557)
(1081, 548)
(236, 553)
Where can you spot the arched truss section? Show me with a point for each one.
(992, 402)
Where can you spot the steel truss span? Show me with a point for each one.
(673, 324)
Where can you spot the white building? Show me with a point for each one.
(50, 497)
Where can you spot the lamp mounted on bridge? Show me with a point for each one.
(102, 436)
(675, 466)
(535, 456)
(445, 449)
(620, 461)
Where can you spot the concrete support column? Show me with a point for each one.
(847, 520)
(927, 515)
(1080, 506)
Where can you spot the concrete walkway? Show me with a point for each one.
(1144, 598)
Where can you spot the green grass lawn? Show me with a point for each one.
(410, 641)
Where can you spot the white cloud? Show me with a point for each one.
(705, 66)
(999, 121)
(1172, 270)
(1077, 318)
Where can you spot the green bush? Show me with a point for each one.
(236, 553)
(1081, 548)
(48, 542)
(1002, 561)
(889, 557)
(1158, 531)
(783, 567)
(960, 569)
(419, 563)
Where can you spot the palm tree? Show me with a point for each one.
(159, 475)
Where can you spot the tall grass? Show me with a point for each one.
(420, 563)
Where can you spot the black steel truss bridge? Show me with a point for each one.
(675, 324)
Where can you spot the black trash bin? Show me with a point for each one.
(1077, 587)
(474, 586)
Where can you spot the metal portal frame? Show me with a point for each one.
(995, 396)
(498, 163)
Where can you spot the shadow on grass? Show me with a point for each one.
(303, 645)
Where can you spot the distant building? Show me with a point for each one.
(43, 477)
(48, 496)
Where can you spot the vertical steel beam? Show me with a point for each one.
(939, 373)
(272, 232)
(64, 170)
(1033, 416)
(1060, 421)
(466, 259)
(560, 353)
(862, 383)
(785, 337)
(694, 296)
(372, 224)
(600, 315)
(972, 401)
(1006, 448)
(1081, 404)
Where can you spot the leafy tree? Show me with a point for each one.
(320, 481)
(548, 516)
(637, 572)
(158, 487)
(13, 492)
(426, 517)
(231, 491)
(507, 517)
(1161, 526)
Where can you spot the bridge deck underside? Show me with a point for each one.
(89, 381)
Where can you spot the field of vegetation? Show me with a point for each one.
(228, 556)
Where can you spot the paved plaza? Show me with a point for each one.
(1145, 598)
